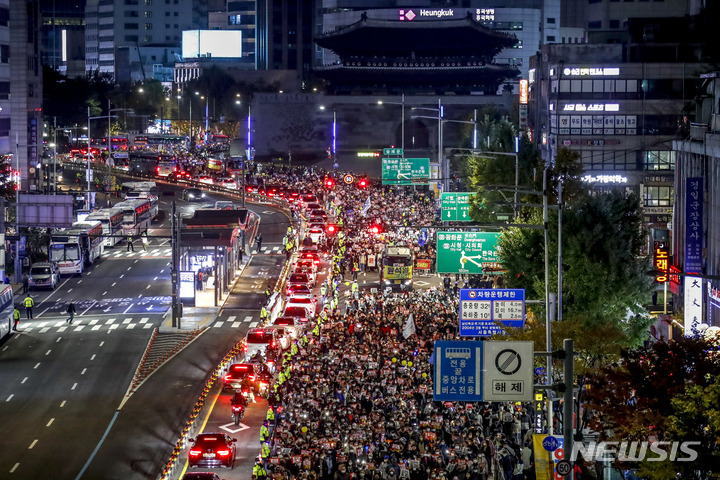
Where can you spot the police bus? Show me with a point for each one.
(137, 213)
(7, 307)
(75, 248)
(111, 220)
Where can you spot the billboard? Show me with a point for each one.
(212, 43)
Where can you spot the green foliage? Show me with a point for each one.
(665, 391)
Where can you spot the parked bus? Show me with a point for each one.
(396, 268)
(166, 168)
(234, 166)
(155, 141)
(111, 220)
(117, 143)
(146, 163)
(137, 215)
(77, 247)
(7, 307)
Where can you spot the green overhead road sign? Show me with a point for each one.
(405, 171)
(468, 252)
(455, 206)
(393, 151)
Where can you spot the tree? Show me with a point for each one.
(666, 391)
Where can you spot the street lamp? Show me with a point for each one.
(440, 160)
(402, 133)
(207, 117)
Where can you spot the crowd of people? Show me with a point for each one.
(355, 395)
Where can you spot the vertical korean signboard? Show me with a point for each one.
(523, 105)
(458, 371)
(661, 254)
(693, 291)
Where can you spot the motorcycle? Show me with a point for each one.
(238, 412)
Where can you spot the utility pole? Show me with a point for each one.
(548, 309)
(175, 246)
(55, 153)
(568, 402)
(87, 172)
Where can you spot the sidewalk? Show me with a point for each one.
(197, 318)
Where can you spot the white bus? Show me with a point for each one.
(111, 219)
(6, 310)
(77, 247)
(137, 213)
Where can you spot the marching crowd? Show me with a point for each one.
(354, 396)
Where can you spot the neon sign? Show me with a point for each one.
(604, 179)
(591, 107)
(523, 92)
(661, 257)
(594, 72)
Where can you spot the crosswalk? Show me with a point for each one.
(232, 322)
(166, 252)
(79, 324)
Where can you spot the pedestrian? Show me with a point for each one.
(259, 241)
(16, 317)
(29, 304)
(26, 283)
(144, 238)
(71, 312)
(130, 246)
(241, 251)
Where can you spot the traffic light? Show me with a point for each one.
(331, 229)
(363, 183)
(375, 229)
(329, 183)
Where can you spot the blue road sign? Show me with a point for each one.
(550, 443)
(458, 371)
(480, 309)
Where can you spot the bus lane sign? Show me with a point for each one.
(458, 371)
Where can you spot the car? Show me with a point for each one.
(316, 234)
(307, 303)
(301, 316)
(180, 176)
(311, 256)
(310, 206)
(205, 179)
(193, 194)
(305, 265)
(258, 340)
(212, 450)
(301, 278)
(228, 183)
(201, 476)
(318, 213)
(292, 325)
(43, 275)
(284, 335)
(320, 225)
(237, 373)
(297, 288)
(310, 272)
(225, 205)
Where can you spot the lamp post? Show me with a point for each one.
(205, 97)
(89, 153)
(445, 165)
(334, 137)
(402, 119)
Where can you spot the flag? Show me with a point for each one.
(365, 207)
(409, 327)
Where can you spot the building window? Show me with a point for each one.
(148, 26)
(234, 19)
(614, 23)
(659, 160)
(4, 53)
(131, 26)
(148, 14)
(131, 2)
(167, 14)
(167, 25)
(551, 20)
(4, 17)
(148, 2)
(131, 13)
(131, 38)
(658, 196)
(148, 38)
(595, 25)
(551, 38)
(175, 14)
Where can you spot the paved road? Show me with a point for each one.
(61, 386)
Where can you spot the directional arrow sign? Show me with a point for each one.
(405, 171)
(455, 206)
(468, 252)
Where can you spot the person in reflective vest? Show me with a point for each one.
(294, 349)
(29, 303)
(270, 417)
(16, 318)
(259, 472)
(265, 452)
(263, 314)
(264, 432)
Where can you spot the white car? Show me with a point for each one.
(310, 304)
(316, 235)
(205, 179)
(310, 272)
(228, 183)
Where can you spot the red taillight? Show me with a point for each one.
(249, 189)
(174, 169)
(273, 344)
(157, 169)
(251, 377)
(223, 453)
(237, 408)
(228, 377)
(195, 452)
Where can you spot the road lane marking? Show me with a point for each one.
(114, 283)
(62, 329)
(103, 342)
(96, 327)
(79, 327)
(91, 305)
(218, 324)
(83, 371)
(147, 288)
(58, 340)
(105, 292)
(231, 318)
(121, 275)
(112, 327)
(144, 319)
(42, 312)
(131, 305)
(236, 324)
(93, 322)
(147, 325)
(32, 444)
(126, 321)
(93, 357)
(48, 353)
(248, 318)
(36, 365)
(108, 322)
(80, 281)
(70, 290)
(253, 324)
(130, 327)
(154, 279)
(74, 386)
(43, 330)
(12, 470)
(5, 348)
(24, 380)
(130, 267)
(50, 422)
(97, 447)
(63, 403)
(10, 397)
(60, 323)
(135, 261)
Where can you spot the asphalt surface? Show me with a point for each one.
(62, 386)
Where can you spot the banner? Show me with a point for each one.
(423, 263)
(409, 327)
(365, 207)
(693, 291)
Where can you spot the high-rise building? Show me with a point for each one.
(63, 35)
(21, 87)
(129, 37)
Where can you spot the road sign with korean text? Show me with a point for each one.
(393, 151)
(508, 372)
(482, 309)
(405, 171)
(458, 371)
(455, 206)
(468, 252)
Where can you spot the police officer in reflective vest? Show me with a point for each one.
(16, 317)
(264, 432)
(29, 303)
(270, 417)
(259, 472)
(323, 292)
(263, 314)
